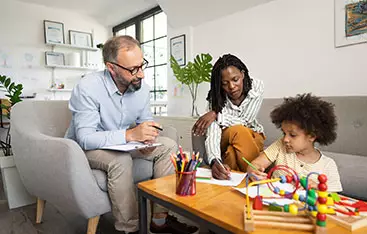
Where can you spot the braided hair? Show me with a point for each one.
(217, 95)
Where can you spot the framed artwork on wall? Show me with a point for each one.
(54, 58)
(350, 22)
(178, 49)
(82, 39)
(54, 32)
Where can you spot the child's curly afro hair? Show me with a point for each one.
(315, 116)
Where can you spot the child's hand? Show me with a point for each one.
(260, 174)
(312, 184)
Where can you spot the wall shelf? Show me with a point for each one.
(72, 46)
(59, 90)
(71, 67)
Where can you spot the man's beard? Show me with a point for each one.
(130, 86)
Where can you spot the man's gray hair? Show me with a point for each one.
(114, 44)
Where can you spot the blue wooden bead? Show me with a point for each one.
(283, 179)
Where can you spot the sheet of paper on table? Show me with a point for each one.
(204, 175)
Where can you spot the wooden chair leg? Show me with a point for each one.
(40, 208)
(92, 225)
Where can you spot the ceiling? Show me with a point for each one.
(180, 13)
(107, 12)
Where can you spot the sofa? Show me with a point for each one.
(349, 150)
(55, 169)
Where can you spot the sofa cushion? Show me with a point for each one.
(142, 170)
(352, 170)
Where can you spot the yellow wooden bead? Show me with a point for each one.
(313, 213)
(330, 211)
(323, 194)
(296, 196)
(322, 209)
(293, 209)
(281, 192)
(330, 201)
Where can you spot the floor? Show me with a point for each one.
(22, 221)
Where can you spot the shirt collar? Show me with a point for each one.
(110, 84)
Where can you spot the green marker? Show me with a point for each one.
(250, 164)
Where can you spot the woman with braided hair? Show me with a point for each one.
(234, 99)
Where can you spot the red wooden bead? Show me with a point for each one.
(322, 187)
(258, 203)
(321, 217)
(322, 200)
(289, 179)
(322, 178)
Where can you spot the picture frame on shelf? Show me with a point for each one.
(178, 49)
(54, 32)
(83, 39)
(54, 58)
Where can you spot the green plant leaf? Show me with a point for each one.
(7, 82)
(194, 72)
(11, 86)
(202, 68)
(13, 91)
(180, 73)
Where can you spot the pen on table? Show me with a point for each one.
(156, 127)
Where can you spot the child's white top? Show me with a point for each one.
(277, 153)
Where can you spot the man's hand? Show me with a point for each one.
(144, 132)
(203, 123)
(149, 150)
(220, 173)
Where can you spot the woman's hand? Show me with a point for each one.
(221, 171)
(203, 123)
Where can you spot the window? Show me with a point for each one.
(150, 28)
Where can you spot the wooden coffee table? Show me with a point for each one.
(219, 208)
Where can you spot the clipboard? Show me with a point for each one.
(131, 146)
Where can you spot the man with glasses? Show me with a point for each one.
(104, 105)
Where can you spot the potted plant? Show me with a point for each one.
(14, 189)
(193, 74)
(13, 93)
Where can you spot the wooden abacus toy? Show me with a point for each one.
(301, 219)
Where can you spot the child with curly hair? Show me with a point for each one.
(304, 120)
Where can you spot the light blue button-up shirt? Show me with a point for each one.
(101, 114)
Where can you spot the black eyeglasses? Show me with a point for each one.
(134, 70)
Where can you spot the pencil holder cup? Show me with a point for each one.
(186, 183)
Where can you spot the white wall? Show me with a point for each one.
(289, 44)
(22, 35)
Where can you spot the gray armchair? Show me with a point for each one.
(55, 169)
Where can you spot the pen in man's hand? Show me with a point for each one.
(220, 163)
(160, 129)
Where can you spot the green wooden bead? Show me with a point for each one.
(311, 201)
(286, 208)
(275, 208)
(321, 223)
(312, 193)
